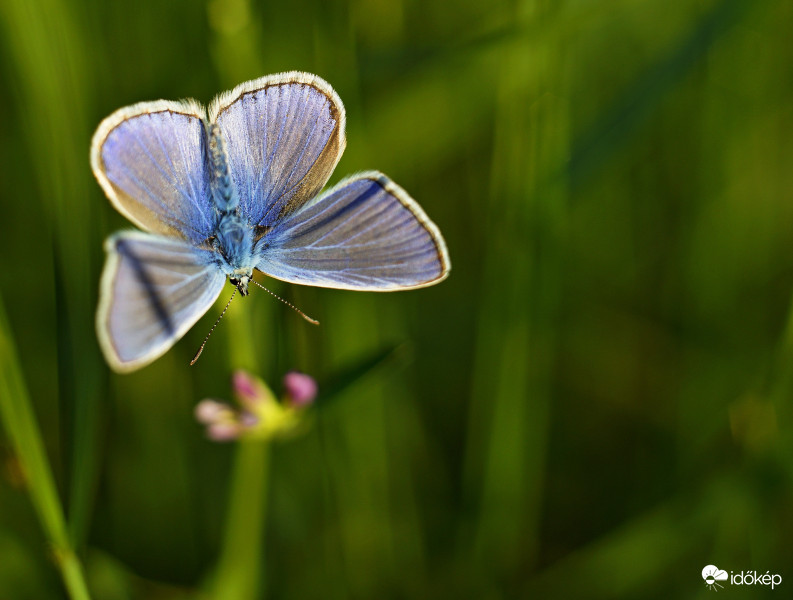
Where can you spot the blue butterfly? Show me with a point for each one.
(222, 192)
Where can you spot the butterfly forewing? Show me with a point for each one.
(150, 160)
(364, 234)
(284, 135)
(153, 290)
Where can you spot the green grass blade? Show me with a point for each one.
(19, 421)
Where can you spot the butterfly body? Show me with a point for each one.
(233, 240)
(224, 192)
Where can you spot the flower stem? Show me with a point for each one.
(239, 574)
(240, 570)
(19, 420)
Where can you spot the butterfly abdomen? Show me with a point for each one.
(223, 192)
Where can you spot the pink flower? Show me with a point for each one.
(259, 414)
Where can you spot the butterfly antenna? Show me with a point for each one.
(292, 306)
(206, 339)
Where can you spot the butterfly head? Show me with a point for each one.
(240, 279)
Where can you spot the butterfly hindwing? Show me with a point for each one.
(284, 135)
(153, 290)
(150, 160)
(366, 233)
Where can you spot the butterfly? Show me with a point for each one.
(224, 191)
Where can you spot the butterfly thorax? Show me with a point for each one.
(234, 243)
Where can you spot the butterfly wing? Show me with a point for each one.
(149, 160)
(153, 290)
(284, 135)
(366, 233)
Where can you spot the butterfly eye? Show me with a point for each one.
(241, 283)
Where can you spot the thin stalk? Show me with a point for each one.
(20, 423)
(240, 568)
(239, 574)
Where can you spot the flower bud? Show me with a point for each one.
(224, 432)
(301, 389)
(250, 390)
(211, 411)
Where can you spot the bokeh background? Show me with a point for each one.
(596, 404)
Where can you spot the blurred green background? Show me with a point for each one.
(595, 404)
